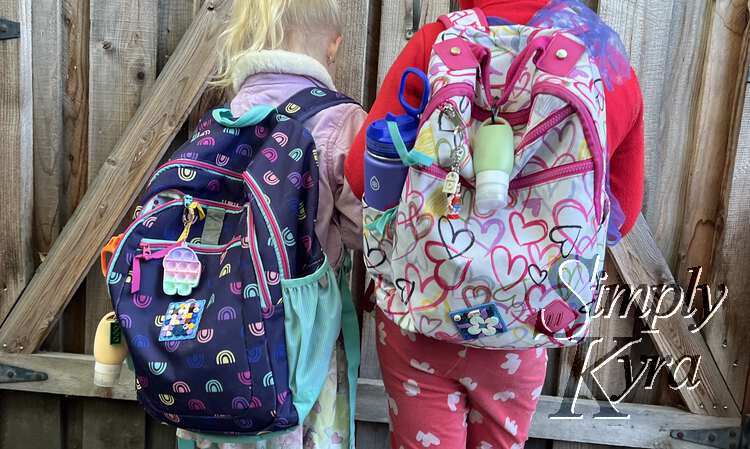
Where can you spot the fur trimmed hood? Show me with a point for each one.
(280, 61)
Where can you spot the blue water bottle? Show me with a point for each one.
(389, 143)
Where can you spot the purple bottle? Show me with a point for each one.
(385, 172)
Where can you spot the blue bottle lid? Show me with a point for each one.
(379, 139)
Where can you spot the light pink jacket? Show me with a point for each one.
(271, 78)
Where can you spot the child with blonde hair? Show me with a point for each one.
(271, 50)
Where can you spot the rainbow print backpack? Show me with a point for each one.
(227, 302)
(520, 276)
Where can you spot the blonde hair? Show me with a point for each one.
(257, 25)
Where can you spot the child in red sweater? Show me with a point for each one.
(446, 395)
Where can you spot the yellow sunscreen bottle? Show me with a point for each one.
(110, 351)
(493, 163)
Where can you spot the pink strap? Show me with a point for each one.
(468, 18)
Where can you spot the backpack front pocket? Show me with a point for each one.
(195, 357)
(486, 279)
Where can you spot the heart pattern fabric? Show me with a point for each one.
(431, 265)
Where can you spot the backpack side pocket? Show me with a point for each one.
(312, 323)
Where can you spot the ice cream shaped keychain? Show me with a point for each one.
(182, 271)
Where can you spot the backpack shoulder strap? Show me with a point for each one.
(307, 103)
(467, 18)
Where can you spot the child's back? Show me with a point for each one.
(273, 50)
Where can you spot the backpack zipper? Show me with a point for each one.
(541, 177)
(555, 119)
(273, 225)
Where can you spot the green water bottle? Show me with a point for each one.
(493, 163)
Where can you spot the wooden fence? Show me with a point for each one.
(84, 75)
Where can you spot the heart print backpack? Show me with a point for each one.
(223, 293)
(525, 272)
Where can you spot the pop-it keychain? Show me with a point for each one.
(182, 271)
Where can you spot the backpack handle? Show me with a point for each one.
(255, 115)
(109, 249)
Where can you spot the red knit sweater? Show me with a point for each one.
(624, 109)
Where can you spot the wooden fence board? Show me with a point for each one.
(351, 65)
(76, 111)
(122, 68)
(722, 73)
(727, 333)
(75, 156)
(49, 167)
(159, 435)
(396, 19)
(30, 421)
(16, 153)
(16, 185)
(117, 425)
(370, 435)
(174, 19)
(640, 262)
(664, 37)
(120, 179)
(48, 123)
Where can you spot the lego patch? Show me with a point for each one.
(182, 320)
(479, 321)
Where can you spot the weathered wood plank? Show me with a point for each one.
(370, 435)
(120, 179)
(30, 420)
(174, 19)
(351, 67)
(122, 58)
(395, 21)
(727, 333)
(572, 360)
(639, 262)
(47, 30)
(122, 69)
(648, 426)
(16, 156)
(159, 435)
(76, 110)
(118, 425)
(75, 145)
(664, 37)
(720, 81)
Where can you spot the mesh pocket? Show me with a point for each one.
(312, 322)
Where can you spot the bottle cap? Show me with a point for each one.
(106, 375)
(379, 138)
(492, 189)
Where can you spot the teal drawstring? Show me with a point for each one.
(255, 115)
(382, 221)
(409, 158)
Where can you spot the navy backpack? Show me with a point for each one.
(226, 300)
